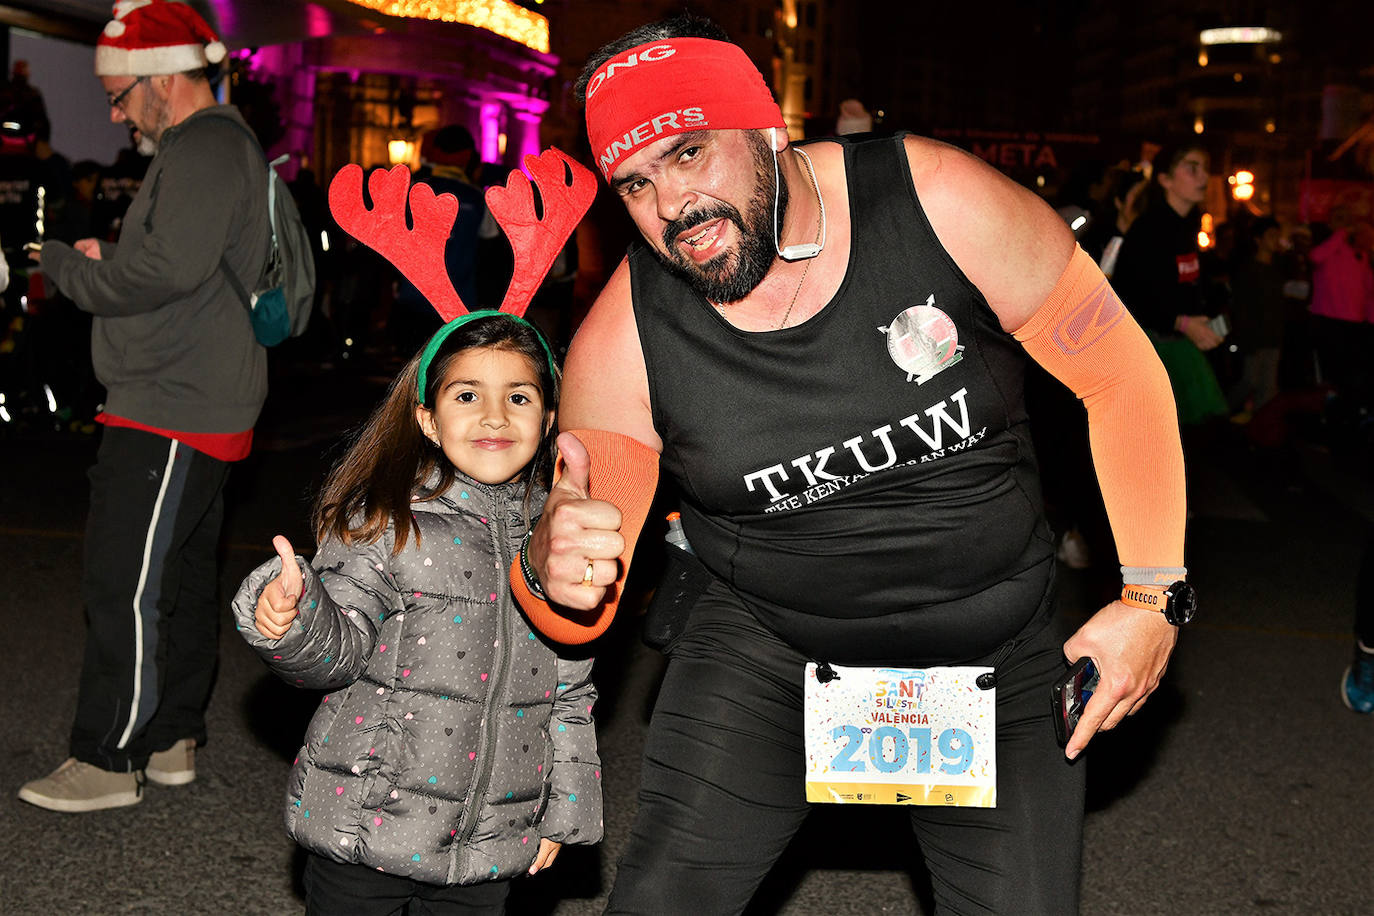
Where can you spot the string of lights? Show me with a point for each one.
(501, 17)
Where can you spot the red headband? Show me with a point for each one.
(671, 87)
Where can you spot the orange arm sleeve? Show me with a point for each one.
(1083, 336)
(624, 472)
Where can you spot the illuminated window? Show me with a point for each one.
(400, 151)
(358, 120)
(1240, 36)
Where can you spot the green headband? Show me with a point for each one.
(441, 335)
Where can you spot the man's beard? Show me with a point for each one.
(151, 117)
(145, 145)
(732, 275)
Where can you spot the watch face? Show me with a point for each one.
(1182, 603)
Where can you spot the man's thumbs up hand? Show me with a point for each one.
(576, 546)
(577, 467)
(277, 603)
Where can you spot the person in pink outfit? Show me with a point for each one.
(1343, 308)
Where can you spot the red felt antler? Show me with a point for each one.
(567, 190)
(417, 253)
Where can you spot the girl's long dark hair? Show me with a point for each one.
(390, 460)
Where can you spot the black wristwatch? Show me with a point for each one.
(1178, 602)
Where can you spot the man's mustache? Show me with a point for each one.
(695, 218)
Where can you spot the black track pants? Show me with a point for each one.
(723, 793)
(338, 889)
(1364, 592)
(149, 583)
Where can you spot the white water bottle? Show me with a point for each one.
(676, 536)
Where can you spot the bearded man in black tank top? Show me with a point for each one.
(822, 346)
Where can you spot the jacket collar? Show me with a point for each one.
(453, 498)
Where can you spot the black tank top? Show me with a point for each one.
(864, 480)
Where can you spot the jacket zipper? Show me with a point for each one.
(485, 765)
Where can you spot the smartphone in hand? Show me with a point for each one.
(1071, 695)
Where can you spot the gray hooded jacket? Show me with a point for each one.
(455, 737)
(172, 342)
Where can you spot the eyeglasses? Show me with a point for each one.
(117, 101)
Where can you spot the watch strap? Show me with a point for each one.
(1146, 597)
(527, 571)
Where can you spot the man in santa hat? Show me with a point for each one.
(185, 379)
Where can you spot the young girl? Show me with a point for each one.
(457, 750)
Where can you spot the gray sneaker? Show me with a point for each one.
(175, 766)
(77, 786)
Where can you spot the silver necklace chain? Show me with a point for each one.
(820, 224)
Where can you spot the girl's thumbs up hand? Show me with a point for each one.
(277, 603)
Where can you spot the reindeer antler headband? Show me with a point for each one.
(566, 190)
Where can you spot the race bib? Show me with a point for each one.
(901, 736)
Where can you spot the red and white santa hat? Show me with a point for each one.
(155, 37)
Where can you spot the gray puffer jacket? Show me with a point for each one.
(457, 737)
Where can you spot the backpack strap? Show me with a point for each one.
(272, 179)
(236, 284)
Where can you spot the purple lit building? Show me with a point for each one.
(346, 82)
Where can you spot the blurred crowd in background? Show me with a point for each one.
(1282, 369)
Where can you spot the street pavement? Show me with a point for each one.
(1243, 786)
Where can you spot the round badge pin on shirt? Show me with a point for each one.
(923, 341)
